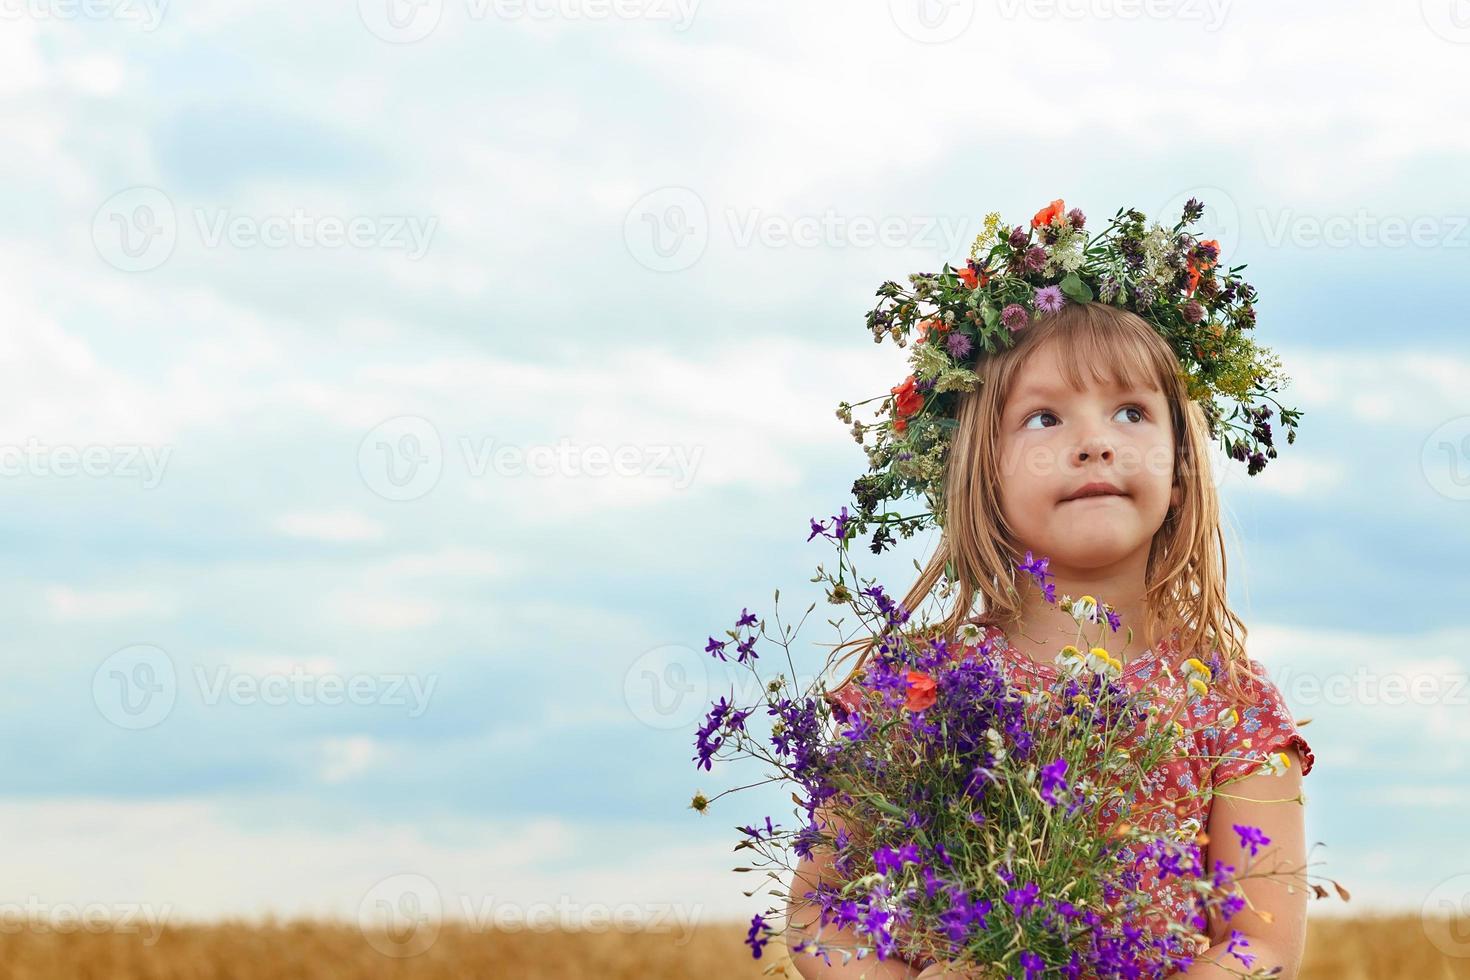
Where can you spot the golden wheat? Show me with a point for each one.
(1363, 948)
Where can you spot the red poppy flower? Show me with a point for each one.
(922, 692)
(1198, 266)
(908, 399)
(1053, 210)
(922, 330)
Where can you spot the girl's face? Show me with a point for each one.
(1054, 440)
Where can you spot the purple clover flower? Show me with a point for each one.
(1049, 299)
(1015, 317)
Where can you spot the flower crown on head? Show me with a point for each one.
(1015, 275)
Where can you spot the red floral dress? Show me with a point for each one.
(1263, 728)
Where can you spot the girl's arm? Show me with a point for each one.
(801, 923)
(1275, 932)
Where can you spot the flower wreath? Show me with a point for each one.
(1168, 277)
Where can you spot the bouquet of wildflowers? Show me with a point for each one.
(977, 821)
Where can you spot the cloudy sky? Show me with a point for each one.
(397, 395)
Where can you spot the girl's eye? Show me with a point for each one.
(1027, 424)
(1044, 413)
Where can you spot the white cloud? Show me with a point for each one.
(67, 604)
(196, 859)
(344, 758)
(334, 526)
(365, 610)
(1413, 387)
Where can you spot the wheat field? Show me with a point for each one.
(1365, 948)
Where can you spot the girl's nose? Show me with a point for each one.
(1094, 447)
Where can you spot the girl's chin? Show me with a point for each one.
(1089, 547)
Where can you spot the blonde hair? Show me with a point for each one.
(1184, 584)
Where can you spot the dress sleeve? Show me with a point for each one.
(1264, 727)
(845, 700)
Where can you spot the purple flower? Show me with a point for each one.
(716, 648)
(1238, 941)
(1018, 237)
(1014, 317)
(1193, 311)
(959, 345)
(1077, 218)
(1036, 258)
(886, 859)
(1053, 778)
(1049, 299)
(1022, 900)
(1251, 836)
(838, 533)
(1033, 965)
(1036, 568)
(756, 938)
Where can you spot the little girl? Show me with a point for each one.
(1082, 445)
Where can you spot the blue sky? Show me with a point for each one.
(340, 313)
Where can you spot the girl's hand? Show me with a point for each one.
(952, 970)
